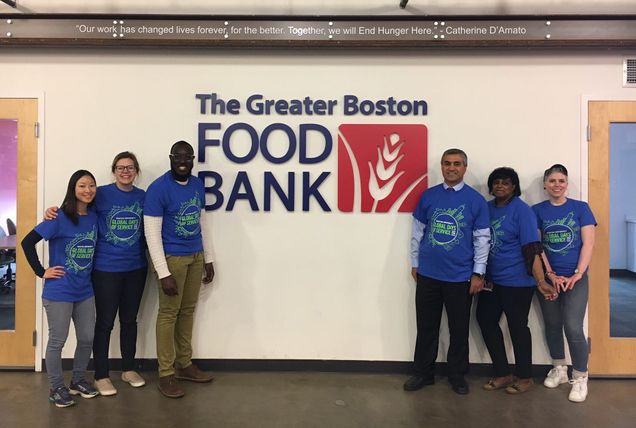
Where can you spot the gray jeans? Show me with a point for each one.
(59, 315)
(566, 313)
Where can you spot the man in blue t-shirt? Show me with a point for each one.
(449, 249)
(175, 227)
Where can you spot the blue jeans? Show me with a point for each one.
(59, 315)
(566, 313)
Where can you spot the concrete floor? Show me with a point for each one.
(333, 400)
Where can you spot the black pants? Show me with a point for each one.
(515, 303)
(430, 297)
(116, 291)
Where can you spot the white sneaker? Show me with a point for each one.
(578, 394)
(557, 376)
(105, 387)
(133, 378)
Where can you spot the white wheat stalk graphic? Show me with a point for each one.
(391, 157)
(385, 170)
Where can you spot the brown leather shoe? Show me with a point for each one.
(169, 386)
(520, 386)
(193, 374)
(499, 383)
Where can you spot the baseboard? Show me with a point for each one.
(332, 366)
(622, 273)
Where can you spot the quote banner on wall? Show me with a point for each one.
(317, 31)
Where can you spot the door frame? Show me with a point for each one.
(608, 356)
(18, 351)
(40, 96)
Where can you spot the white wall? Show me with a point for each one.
(326, 7)
(310, 285)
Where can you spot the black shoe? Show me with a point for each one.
(418, 382)
(459, 385)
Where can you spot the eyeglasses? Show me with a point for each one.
(127, 168)
(182, 158)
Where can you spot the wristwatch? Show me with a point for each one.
(480, 275)
(577, 271)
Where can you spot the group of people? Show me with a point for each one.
(502, 250)
(97, 268)
(461, 246)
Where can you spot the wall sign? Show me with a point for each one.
(381, 167)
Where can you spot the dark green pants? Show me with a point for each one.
(176, 313)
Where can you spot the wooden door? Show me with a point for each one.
(17, 348)
(609, 356)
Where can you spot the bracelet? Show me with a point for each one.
(550, 273)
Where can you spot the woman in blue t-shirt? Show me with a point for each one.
(120, 270)
(567, 231)
(514, 270)
(119, 273)
(68, 292)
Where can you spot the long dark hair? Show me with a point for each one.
(69, 206)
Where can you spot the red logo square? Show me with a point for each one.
(381, 168)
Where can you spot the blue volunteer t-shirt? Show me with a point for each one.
(511, 227)
(561, 232)
(120, 245)
(180, 206)
(73, 248)
(450, 217)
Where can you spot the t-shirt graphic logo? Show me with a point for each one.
(79, 252)
(381, 167)
(495, 234)
(187, 219)
(124, 224)
(559, 235)
(446, 227)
